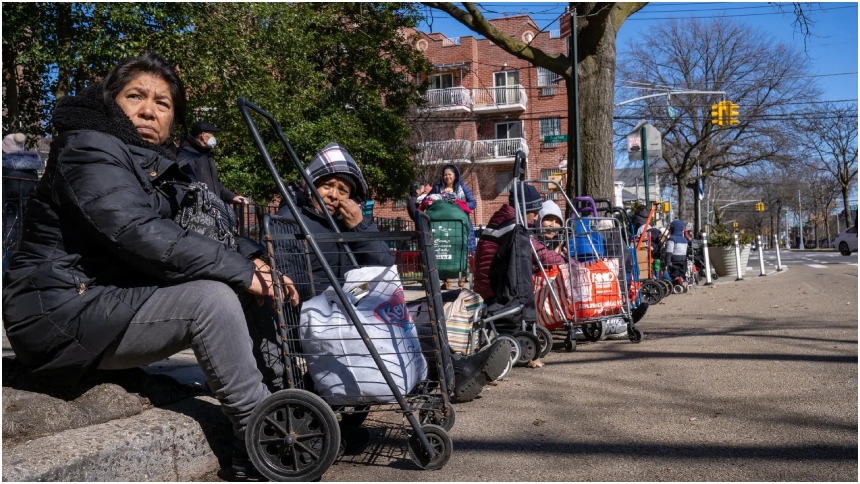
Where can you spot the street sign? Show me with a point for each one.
(852, 207)
(653, 138)
(555, 138)
(564, 25)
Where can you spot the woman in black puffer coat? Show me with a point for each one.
(104, 278)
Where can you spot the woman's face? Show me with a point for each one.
(550, 221)
(333, 191)
(147, 102)
(448, 177)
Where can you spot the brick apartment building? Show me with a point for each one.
(483, 106)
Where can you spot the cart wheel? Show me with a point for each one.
(635, 335)
(570, 343)
(667, 287)
(544, 339)
(431, 414)
(441, 444)
(356, 417)
(515, 352)
(529, 347)
(292, 436)
(592, 331)
(651, 292)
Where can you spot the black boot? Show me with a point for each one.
(473, 372)
(241, 467)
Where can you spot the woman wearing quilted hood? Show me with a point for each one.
(104, 278)
(341, 185)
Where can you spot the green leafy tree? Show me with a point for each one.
(54, 49)
(326, 72)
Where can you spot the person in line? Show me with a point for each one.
(415, 196)
(105, 279)
(549, 217)
(196, 155)
(20, 174)
(676, 251)
(501, 223)
(449, 183)
(450, 186)
(340, 183)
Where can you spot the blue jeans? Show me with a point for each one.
(234, 340)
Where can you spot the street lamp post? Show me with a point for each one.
(800, 221)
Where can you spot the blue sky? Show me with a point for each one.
(832, 47)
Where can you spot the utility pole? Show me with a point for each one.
(645, 160)
(800, 216)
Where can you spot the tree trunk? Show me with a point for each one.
(64, 35)
(10, 84)
(845, 205)
(597, 78)
(682, 198)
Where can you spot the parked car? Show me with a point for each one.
(846, 241)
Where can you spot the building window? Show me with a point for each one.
(400, 203)
(547, 81)
(504, 181)
(545, 77)
(554, 196)
(508, 130)
(442, 81)
(544, 175)
(549, 127)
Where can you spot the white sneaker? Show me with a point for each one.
(617, 335)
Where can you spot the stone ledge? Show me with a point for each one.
(173, 443)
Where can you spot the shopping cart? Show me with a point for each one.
(294, 435)
(593, 287)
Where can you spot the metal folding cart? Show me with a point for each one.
(294, 435)
(593, 287)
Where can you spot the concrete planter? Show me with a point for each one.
(723, 260)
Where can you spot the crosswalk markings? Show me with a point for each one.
(817, 266)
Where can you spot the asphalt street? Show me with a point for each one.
(753, 380)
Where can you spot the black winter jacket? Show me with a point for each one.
(199, 161)
(98, 239)
(367, 253)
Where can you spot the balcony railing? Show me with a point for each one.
(498, 150)
(449, 99)
(505, 98)
(450, 151)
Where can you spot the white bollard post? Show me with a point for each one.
(760, 255)
(738, 260)
(778, 260)
(707, 260)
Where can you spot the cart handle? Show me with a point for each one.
(244, 105)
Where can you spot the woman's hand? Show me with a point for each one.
(351, 212)
(261, 284)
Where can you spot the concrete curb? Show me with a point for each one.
(173, 443)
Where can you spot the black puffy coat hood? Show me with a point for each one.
(98, 239)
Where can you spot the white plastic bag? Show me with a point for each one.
(339, 362)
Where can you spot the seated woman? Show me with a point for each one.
(450, 186)
(550, 217)
(105, 279)
(500, 224)
(340, 183)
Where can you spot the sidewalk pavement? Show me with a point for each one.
(147, 424)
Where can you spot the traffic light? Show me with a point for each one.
(733, 114)
(666, 207)
(718, 113)
(759, 207)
